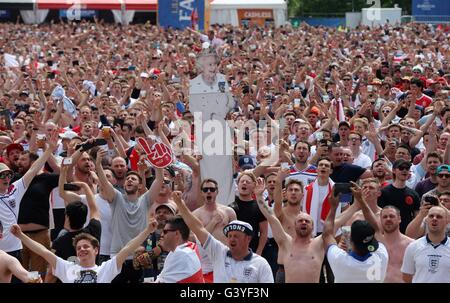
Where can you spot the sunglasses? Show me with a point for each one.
(444, 176)
(209, 189)
(402, 168)
(167, 182)
(346, 79)
(6, 175)
(165, 231)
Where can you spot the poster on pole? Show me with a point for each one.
(181, 14)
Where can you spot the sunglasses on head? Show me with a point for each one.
(209, 189)
(6, 175)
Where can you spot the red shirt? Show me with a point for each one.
(424, 101)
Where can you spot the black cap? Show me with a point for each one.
(401, 163)
(363, 236)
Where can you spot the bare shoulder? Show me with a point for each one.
(227, 209)
(405, 240)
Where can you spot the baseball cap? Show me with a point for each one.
(363, 236)
(246, 162)
(12, 147)
(443, 167)
(237, 225)
(68, 135)
(167, 205)
(401, 163)
(315, 110)
(4, 167)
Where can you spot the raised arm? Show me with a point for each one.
(92, 205)
(415, 228)
(191, 221)
(281, 237)
(34, 246)
(277, 194)
(136, 242)
(157, 184)
(108, 190)
(39, 163)
(328, 229)
(361, 195)
(67, 196)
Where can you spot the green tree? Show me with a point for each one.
(339, 7)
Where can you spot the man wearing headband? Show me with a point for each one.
(233, 262)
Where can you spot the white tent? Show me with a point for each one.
(226, 11)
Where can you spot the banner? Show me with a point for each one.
(83, 13)
(4, 14)
(181, 13)
(431, 8)
(255, 16)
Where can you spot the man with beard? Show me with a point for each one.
(399, 195)
(379, 170)
(34, 211)
(433, 161)
(302, 170)
(394, 241)
(120, 169)
(300, 255)
(82, 172)
(214, 217)
(13, 152)
(152, 255)
(247, 210)
(129, 214)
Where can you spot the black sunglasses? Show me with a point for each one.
(165, 231)
(209, 189)
(444, 176)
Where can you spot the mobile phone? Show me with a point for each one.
(284, 165)
(296, 102)
(131, 67)
(75, 62)
(49, 62)
(67, 161)
(297, 88)
(343, 188)
(71, 187)
(319, 136)
(432, 200)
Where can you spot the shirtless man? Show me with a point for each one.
(214, 217)
(294, 194)
(389, 223)
(301, 254)
(395, 242)
(10, 266)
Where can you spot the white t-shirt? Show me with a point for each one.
(69, 272)
(181, 265)
(428, 263)
(9, 212)
(252, 269)
(363, 161)
(348, 269)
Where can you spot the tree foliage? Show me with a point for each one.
(340, 7)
